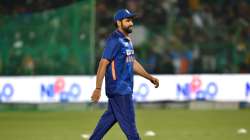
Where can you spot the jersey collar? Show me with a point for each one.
(121, 35)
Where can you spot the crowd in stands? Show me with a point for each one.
(169, 36)
(49, 42)
(184, 36)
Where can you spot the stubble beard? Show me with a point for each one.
(128, 29)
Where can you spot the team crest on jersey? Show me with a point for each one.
(129, 52)
(130, 56)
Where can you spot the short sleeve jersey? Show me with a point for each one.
(119, 75)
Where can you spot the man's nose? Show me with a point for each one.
(131, 23)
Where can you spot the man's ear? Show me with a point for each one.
(118, 23)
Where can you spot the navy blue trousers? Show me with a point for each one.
(121, 110)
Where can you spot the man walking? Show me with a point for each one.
(118, 64)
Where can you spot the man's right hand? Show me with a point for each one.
(96, 95)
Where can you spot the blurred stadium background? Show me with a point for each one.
(49, 53)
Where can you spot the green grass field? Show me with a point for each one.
(167, 124)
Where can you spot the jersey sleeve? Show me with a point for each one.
(111, 49)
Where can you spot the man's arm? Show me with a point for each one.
(99, 78)
(138, 69)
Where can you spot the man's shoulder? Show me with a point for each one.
(113, 38)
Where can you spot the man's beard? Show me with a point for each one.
(128, 29)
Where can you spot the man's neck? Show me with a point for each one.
(125, 33)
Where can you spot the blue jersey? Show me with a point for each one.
(119, 75)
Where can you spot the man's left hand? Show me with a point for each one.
(155, 81)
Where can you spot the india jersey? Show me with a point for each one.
(119, 74)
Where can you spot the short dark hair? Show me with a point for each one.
(115, 23)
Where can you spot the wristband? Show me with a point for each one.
(98, 88)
